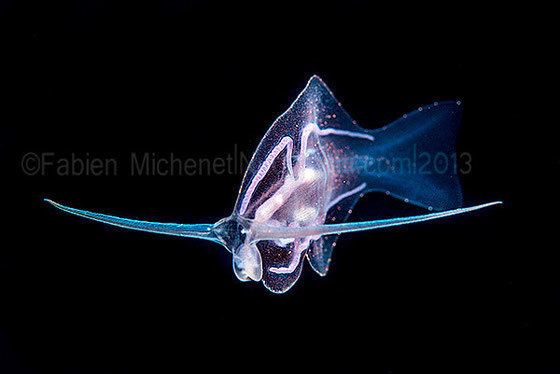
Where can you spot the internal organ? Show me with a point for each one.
(305, 194)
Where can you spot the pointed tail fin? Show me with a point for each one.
(416, 157)
(199, 231)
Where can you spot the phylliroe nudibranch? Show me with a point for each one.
(309, 170)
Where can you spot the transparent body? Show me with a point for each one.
(306, 175)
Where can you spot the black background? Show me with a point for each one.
(477, 293)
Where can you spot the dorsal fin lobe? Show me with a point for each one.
(320, 252)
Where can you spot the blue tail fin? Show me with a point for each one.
(414, 157)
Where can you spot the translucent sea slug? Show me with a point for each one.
(308, 172)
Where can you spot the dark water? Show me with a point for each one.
(195, 82)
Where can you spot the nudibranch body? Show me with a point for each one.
(308, 172)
